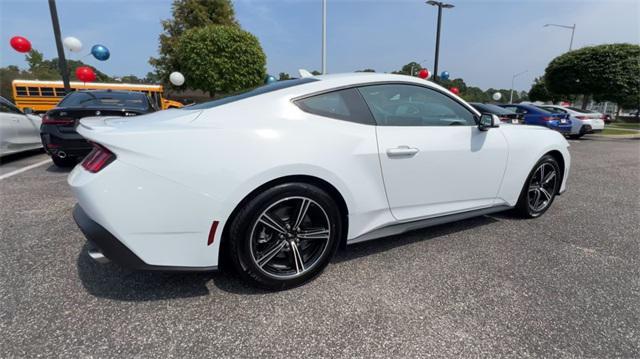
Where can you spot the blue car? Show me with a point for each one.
(536, 116)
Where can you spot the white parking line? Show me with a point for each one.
(24, 169)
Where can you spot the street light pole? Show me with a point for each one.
(573, 31)
(513, 78)
(62, 61)
(324, 37)
(440, 5)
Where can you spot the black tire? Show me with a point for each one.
(527, 206)
(248, 234)
(577, 136)
(64, 162)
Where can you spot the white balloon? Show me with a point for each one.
(176, 78)
(497, 96)
(72, 43)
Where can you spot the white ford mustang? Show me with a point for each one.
(275, 179)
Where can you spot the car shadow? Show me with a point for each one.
(55, 169)
(114, 282)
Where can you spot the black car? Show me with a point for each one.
(58, 130)
(505, 115)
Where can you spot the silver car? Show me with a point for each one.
(18, 131)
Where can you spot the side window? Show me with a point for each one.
(8, 108)
(345, 105)
(412, 105)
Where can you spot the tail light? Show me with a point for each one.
(581, 117)
(46, 120)
(98, 159)
(548, 118)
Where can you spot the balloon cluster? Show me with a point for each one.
(444, 75)
(497, 96)
(269, 80)
(455, 90)
(98, 51)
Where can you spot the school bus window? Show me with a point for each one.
(21, 91)
(34, 91)
(46, 91)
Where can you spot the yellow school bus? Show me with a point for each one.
(42, 96)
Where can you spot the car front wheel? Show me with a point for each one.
(540, 189)
(285, 235)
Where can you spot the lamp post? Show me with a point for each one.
(62, 61)
(440, 6)
(573, 30)
(513, 78)
(324, 37)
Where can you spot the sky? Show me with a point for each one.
(483, 42)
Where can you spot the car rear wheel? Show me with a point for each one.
(540, 189)
(285, 236)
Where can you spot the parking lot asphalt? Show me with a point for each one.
(564, 285)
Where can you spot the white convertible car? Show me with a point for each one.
(275, 179)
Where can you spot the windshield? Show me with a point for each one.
(106, 99)
(257, 91)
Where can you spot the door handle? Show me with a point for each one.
(402, 151)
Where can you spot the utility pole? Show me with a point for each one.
(513, 78)
(573, 31)
(324, 37)
(62, 61)
(440, 5)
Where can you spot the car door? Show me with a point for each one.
(435, 161)
(27, 128)
(7, 129)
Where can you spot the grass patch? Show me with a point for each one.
(634, 126)
(609, 131)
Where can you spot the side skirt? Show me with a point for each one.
(399, 228)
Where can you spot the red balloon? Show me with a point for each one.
(85, 74)
(20, 44)
(423, 74)
(454, 90)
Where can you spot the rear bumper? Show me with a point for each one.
(71, 143)
(110, 247)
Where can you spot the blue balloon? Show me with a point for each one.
(100, 52)
(444, 75)
(270, 79)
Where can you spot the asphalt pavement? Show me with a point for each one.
(564, 285)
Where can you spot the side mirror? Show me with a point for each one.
(487, 121)
(27, 110)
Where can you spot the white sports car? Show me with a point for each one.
(275, 179)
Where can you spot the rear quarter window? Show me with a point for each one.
(346, 105)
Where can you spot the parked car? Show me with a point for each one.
(18, 131)
(505, 115)
(533, 115)
(275, 179)
(583, 122)
(58, 130)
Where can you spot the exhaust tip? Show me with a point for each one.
(97, 256)
(62, 154)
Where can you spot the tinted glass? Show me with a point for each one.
(257, 91)
(552, 109)
(345, 105)
(46, 91)
(34, 91)
(409, 105)
(21, 91)
(486, 107)
(580, 110)
(106, 99)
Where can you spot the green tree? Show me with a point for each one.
(187, 15)
(221, 59)
(366, 70)
(408, 69)
(316, 73)
(283, 76)
(604, 72)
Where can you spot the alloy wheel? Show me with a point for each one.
(289, 237)
(542, 187)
